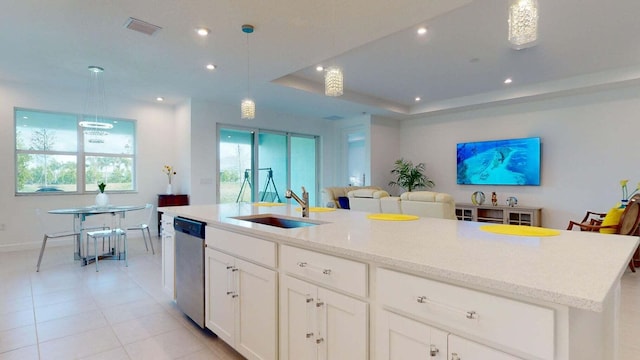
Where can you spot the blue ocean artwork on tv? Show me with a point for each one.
(499, 162)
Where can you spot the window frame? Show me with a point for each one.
(80, 154)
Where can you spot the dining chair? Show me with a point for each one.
(50, 235)
(627, 225)
(108, 234)
(148, 208)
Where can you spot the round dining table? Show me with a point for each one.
(80, 214)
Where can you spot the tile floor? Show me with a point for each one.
(70, 312)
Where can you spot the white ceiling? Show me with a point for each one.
(463, 60)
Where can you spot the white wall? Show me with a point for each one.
(589, 143)
(155, 147)
(204, 152)
(385, 150)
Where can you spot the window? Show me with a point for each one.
(58, 153)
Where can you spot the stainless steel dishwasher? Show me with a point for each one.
(190, 268)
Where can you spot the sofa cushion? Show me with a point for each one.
(427, 196)
(367, 193)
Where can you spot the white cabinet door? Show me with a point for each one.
(400, 338)
(169, 263)
(463, 349)
(256, 321)
(297, 319)
(316, 323)
(219, 294)
(342, 326)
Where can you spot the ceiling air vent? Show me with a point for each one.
(141, 26)
(333, 117)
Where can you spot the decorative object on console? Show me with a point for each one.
(410, 177)
(477, 198)
(512, 201)
(102, 199)
(494, 199)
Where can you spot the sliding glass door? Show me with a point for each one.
(260, 165)
(235, 160)
(304, 165)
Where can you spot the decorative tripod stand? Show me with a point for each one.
(275, 197)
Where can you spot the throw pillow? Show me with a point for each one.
(343, 201)
(612, 218)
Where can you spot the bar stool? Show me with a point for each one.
(104, 234)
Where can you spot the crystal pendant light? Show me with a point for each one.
(95, 130)
(333, 81)
(248, 107)
(523, 23)
(333, 77)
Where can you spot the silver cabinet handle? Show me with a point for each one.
(471, 315)
(318, 341)
(433, 351)
(304, 264)
(309, 335)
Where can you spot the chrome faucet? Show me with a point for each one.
(304, 202)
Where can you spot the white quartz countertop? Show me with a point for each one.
(576, 269)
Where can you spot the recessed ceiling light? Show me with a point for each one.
(418, 98)
(203, 31)
(508, 81)
(211, 67)
(159, 99)
(319, 68)
(422, 31)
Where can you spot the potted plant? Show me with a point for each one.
(102, 200)
(410, 177)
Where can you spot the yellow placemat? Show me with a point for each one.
(519, 230)
(268, 204)
(392, 217)
(317, 209)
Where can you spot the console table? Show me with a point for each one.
(170, 200)
(514, 215)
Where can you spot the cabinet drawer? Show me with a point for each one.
(250, 248)
(514, 324)
(166, 223)
(346, 275)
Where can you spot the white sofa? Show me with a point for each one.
(366, 200)
(330, 195)
(428, 204)
(373, 199)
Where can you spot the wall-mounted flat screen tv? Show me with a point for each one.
(499, 162)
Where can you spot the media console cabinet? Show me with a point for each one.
(513, 215)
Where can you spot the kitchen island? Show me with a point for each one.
(440, 286)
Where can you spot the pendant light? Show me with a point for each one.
(248, 107)
(333, 77)
(523, 23)
(95, 129)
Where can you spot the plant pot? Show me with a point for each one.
(102, 200)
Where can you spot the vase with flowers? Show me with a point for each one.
(102, 199)
(625, 193)
(168, 169)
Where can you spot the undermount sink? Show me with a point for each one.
(277, 221)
